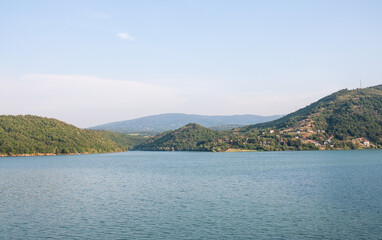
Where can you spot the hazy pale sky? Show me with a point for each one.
(94, 62)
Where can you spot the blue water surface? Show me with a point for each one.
(193, 195)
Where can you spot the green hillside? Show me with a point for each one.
(123, 140)
(191, 137)
(38, 135)
(347, 119)
(347, 116)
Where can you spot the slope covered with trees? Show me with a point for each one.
(347, 119)
(191, 137)
(123, 140)
(344, 116)
(38, 135)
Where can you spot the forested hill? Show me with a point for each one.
(345, 115)
(191, 137)
(123, 140)
(38, 135)
(347, 119)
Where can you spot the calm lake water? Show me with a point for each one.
(186, 195)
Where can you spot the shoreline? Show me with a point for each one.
(27, 155)
(240, 150)
(231, 150)
(52, 154)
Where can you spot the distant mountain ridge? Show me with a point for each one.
(171, 121)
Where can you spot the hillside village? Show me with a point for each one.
(289, 139)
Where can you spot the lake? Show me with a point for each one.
(193, 195)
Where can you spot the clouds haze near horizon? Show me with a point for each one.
(93, 62)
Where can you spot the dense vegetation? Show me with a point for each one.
(194, 137)
(343, 116)
(191, 137)
(348, 119)
(37, 135)
(123, 140)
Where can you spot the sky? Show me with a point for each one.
(93, 62)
